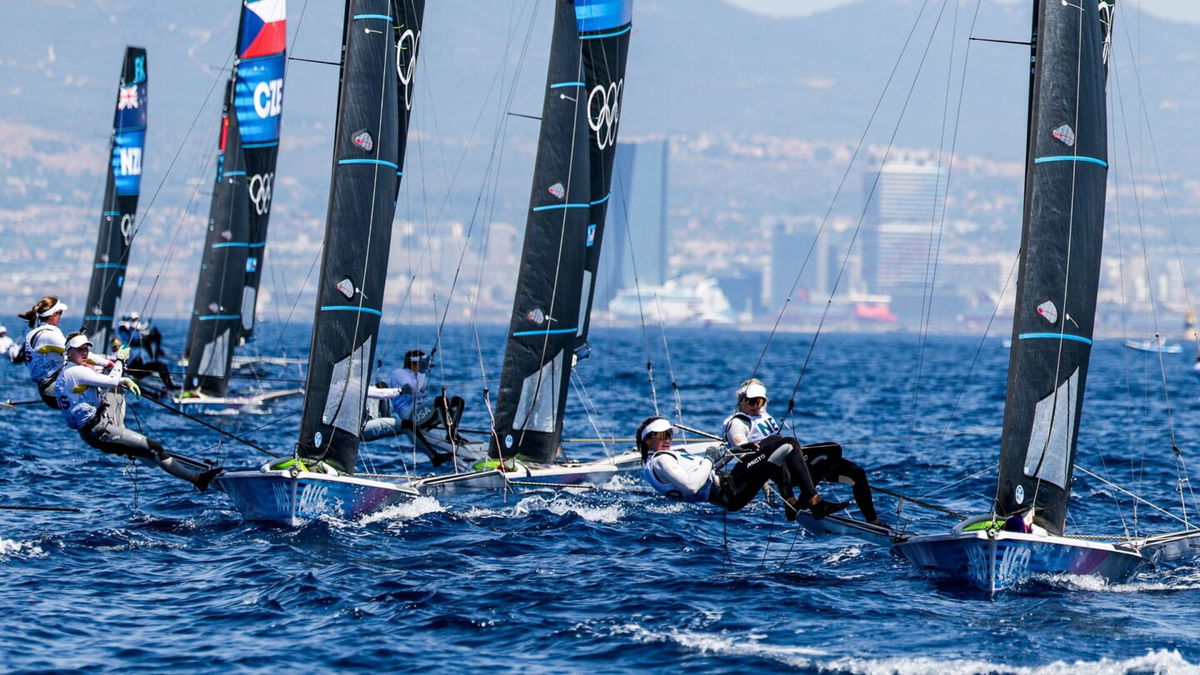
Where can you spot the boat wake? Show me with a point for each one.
(20, 549)
(404, 511)
(561, 505)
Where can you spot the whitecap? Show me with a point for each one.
(610, 513)
(1162, 662)
(9, 547)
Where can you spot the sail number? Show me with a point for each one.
(268, 98)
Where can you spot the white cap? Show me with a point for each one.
(58, 307)
(79, 341)
(754, 390)
(134, 316)
(3, 329)
(659, 424)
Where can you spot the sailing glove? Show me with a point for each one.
(132, 386)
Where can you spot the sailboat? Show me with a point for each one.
(379, 51)
(235, 239)
(1066, 173)
(560, 256)
(120, 200)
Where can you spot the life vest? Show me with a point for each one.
(44, 365)
(79, 397)
(673, 490)
(760, 426)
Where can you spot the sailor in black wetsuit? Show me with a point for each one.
(693, 478)
(752, 424)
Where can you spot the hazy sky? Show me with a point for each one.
(1179, 10)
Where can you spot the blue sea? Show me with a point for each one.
(153, 576)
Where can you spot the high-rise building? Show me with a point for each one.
(637, 214)
(802, 258)
(904, 205)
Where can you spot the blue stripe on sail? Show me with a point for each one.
(1070, 158)
(234, 173)
(554, 207)
(383, 162)
(350, 308)
(111, 213)
(557, 331)
(97, 317)
(561, 85)
(381, 17)
(606, 35)
(233, 244)
(218, 317)
(602, 14)
(601, 201)
(136, 127)
(268, 144)
(1053, 336)
(110, 266)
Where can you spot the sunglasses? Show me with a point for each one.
(757, 400)
(661, 435)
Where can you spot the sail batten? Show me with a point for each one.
(126, 154)
(379, 45)
(1061, 240)
(564, 228)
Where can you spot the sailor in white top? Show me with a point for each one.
(42, 348)
(752, 425)
(693, 478)
(6, 343)
(94, 405)
(409, 379)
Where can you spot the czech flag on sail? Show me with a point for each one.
(264, 28)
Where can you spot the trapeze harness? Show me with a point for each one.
(45, 361)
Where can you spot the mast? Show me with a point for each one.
(1061, 238)
(213, 331)
(120, 199)
(258, 99)
(564, 228)
(223, 310)
(379, 55)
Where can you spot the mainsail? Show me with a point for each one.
(379, 54)
(1066, 172)
(258, 100)
(213, 332)
(223, 311)
(561, 253)
(120, 199)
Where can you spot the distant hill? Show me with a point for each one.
(696, 67)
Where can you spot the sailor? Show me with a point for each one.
(409, 380)
(7, 344)
(94, 405)
(139, 367)
(43, 346)
(752, 426)
(137, 333)
(700, 478)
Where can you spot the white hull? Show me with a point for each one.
(292, 497)
(527, 475)
(254, 404)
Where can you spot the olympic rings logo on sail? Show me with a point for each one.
(604, 112)
(406, 62)
(259, 188)
(127, 228)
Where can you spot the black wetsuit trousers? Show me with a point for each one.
(778, 460)
(826, 463)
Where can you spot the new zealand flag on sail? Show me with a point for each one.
(129, 136)
(258, 97)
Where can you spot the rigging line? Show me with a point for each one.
(933, 252)
(862, 216)
(589, 408)
(214, 427)
(841, 184)
(982, 341)
(1134, 496)
(662, 329)
(960, 481)
(1179, 462)
(1175, 241)
(562, 236)
(919, 502)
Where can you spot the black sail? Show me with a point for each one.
(216, 321)
(258, 100)
(1066, 173)
(379, 52)
(120, 199)
(563, 231)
